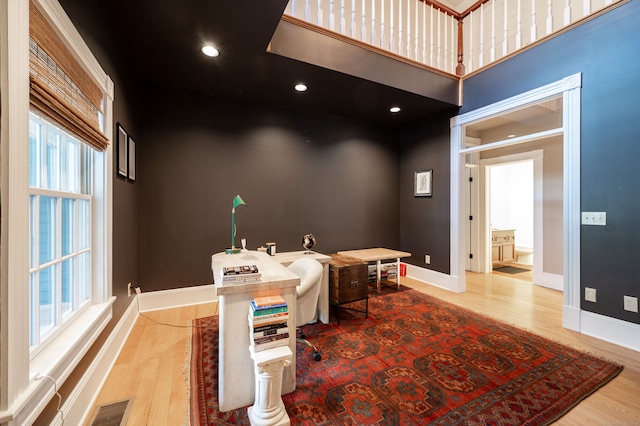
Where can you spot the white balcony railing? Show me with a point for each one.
(429, 33)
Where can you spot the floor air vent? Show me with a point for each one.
(113, 414)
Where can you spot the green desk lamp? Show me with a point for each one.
(237, 201)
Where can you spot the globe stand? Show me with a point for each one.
(308, 242)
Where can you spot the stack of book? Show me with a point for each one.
(240, 274)
(268, 324)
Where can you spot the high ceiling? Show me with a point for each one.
(160, 42)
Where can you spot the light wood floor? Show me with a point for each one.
(151, 366)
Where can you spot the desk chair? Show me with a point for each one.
(310, 273)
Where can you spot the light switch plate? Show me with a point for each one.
(594, 218)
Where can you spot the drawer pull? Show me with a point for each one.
(354, 284)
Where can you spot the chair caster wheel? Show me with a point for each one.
(317, 356)
(302, 336)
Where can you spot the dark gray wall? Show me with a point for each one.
(425, 221)
(605, 51)
(298, 172)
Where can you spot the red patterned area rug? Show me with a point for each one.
(416, 360)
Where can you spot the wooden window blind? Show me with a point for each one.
(59, 88)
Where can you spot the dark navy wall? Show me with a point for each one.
(605, 50)
(425, 221)
(298, 172)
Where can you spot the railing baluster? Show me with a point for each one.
(431, 38)
(391, 29)
(382, 24)
(519, 26)
(400, 27)
(492, 57)
(363, 29)
(373, 22)
(352, 32)
(534, 24)
(586, 7)
(332, 17)
(481, 52)
(417, 32)
(408, 46)
(320, 16)
(424, 33)
(549, 17)
(471, 40)
(567, 12)
(505, 40)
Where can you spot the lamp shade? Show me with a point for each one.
(238, 201)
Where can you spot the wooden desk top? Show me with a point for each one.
(375, 254)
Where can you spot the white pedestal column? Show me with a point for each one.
(268, 408)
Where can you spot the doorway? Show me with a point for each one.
(484, 123)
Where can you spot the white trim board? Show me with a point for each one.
(570, 89)
(176, 298)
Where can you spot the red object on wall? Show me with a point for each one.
(403, 269)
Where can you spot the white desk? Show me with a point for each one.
(236, 380)
(287, 258)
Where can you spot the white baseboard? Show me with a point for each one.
(167, 299)
(438, 279)
(77, 408)
(612, 330)
(552, 281)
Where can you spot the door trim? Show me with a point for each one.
(570, 88)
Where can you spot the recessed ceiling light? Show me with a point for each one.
(300, 87)
(394, 109)
(511, 136)
(209, 50)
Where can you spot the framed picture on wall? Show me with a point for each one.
(423, 183)
(123, 150)
(132, 159)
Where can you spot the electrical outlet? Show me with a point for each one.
(590, 294)
(631, 304)
(129, 290)
(427, 259)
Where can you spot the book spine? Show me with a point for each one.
(255, 307)
(269, 345)
(264, 302)
(268, 311)
(267, 339)
(282, 316)
(279, 324)
(270, 332)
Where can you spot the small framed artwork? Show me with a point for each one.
(132, 159)
(423, 183)
(123, 151)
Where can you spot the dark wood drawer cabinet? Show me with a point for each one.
(348, 281)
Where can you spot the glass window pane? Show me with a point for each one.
(67, 226)
(34, 150)
(33, 199)
(71, 166)
(51, 161)
(84, 231)
(33, 318)
(47, 229)
(67, 286)
(47, 298)
(84, 277)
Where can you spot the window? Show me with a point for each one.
(60, 200)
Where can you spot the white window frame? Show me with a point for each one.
(60, 318)
(23, 391)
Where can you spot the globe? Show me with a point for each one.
(308, 241)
